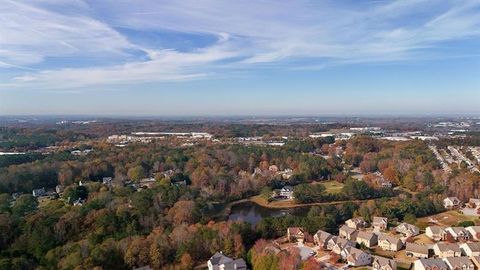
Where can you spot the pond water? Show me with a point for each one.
(254, 213)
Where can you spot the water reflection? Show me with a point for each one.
(254, 213)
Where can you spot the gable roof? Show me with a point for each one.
(353, 253)
(379, 220)
(323, 236)
(458, 262)
(430, 263)
(347, 229)
(417, 248)
(391, 239)
(366, 235)
(436, 229)
(443, 247)
(384, 261)
(474, 246)
(218, 258)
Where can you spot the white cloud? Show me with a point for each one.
(250, 32)
(29, 34)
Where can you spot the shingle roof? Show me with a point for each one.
(384, 261)
(379, 220)
(366, 235)
(433, 263)
(448, 246)
(389, 238)
(455, 262)
(416, 248)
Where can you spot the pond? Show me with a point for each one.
(254, 213)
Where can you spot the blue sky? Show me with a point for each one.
(265, 57)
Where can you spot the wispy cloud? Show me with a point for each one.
(247, 34)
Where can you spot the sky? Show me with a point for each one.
(202, 57)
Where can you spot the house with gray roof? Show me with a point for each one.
(459, 263)
(444, 250)
(221, 262)
(380, 223)
(366, 238)
(348, 233)
(389, 242)
(470, 249)
(382, 263)
(430, 264)
(416, 250)
(320, 238)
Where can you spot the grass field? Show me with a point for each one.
(448, 218)
(333, 187)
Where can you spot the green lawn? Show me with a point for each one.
(333, 186)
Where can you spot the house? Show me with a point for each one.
(380, 223)
(476, 261)
(295, 234)
(381, 263)
(337, 244)
(385, 183)
(474, 232)
(445, 250)
(459, 263)
(59, 189)
(356, 223)
(320, 238)
(368, 239)
(38, 192)
(356, 257)
(470, 249)
(348, 233)
(107, 181)
(436, 233)
(451, 202)
(473, 203)
(416, 250)
(287, 192)
(273, 168)
(389, 243)
(221, 262)
(430, 264)
(407, 229)
(458, 233)
(286, 174)
(16, 195)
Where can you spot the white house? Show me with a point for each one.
(436, 233)
(338, 244)
(287, 191)
(356, 257)
(458, 233)
(444, 250)
(348, 233)
(451, 202)
(366, 238)
(407, 229)
(389, 243)
(381, 263)
(459, 263)
(416, 250)
(38, 192)
(470, 249)
(474, 232)
(379, 223)
(356, 223)
(221, 262)
(321, 238)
